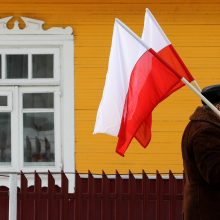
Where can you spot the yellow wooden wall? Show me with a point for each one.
(194, 29)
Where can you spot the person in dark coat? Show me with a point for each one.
(201, 160)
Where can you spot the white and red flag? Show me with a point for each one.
(137, 80)
(124, 54)
(155, 38)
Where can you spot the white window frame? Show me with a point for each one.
(31, 51)
(57, 132)
(34, 38)
(8, 94)
(11, 165)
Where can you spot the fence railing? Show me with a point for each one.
(103, 198)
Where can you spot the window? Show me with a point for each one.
(30, 65)
(33, 96)
(40, 123)
(36, 98)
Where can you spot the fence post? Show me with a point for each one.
(118, 196)
(64, 191)
(159, 195)
(172, 192)
(91, 196)
(51, 195)
(78, 195)
(105, 214)
(37, 191)
(145, 191)
(23, 196)
(131, 194)
(13, 197)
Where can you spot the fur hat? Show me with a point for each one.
(212, 93)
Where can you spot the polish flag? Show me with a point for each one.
(154, 36)
(124, 54)
(137, 80)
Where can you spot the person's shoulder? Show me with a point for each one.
(204, 129)
(205, 117)
(197, 128)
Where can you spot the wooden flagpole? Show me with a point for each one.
(196, 90)
(197, 85)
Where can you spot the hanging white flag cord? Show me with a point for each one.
(196, 89)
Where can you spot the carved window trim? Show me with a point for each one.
(31, 38)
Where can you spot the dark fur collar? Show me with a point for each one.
(204, 114)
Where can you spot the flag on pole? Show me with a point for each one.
(137, 80)
(124, 54)
(154, 36)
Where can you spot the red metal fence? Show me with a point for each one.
(98, 198)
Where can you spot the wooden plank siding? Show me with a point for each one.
(194, 29)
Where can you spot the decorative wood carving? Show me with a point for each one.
(32, 26)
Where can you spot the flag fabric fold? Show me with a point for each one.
(137, 79)
(154, 36)
(151, 82)
(125, 52)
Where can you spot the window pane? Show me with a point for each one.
(3, 101)
(38, 100)
(5, 137)
(42, 66)
(38, 137)
(17, 66)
